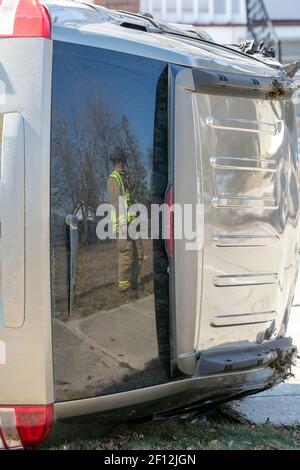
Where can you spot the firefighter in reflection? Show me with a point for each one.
(131, 253)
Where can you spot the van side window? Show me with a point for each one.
(109, 294)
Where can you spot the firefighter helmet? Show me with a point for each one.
(118, 155)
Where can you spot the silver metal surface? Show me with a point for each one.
(238, 159)
(12, 221)
(245, 280)
(79, 23)
(244, 125)
(188, 190)
(26, 377)
(251, 214)
(244, 240)
(243, 318)
(204, 385)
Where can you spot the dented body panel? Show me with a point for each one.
(243, 171)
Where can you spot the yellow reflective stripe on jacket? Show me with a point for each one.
(121, 221)
(115, 175)
(117, 223)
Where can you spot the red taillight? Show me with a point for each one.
(25, 427)
(170, 221)
(24, 19)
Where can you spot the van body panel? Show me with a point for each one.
(26, 375)
(152, 400)
(251, 192)
(187, 191)
(240, 163)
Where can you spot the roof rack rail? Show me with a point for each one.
(132, 25)
(144, 16)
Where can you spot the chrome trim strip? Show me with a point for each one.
(245, 164)
(242, 319)
(244, 125)
(245, 241)
(244, 202)
(235, 280)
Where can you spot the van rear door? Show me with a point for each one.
(25, 319)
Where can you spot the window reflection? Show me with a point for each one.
(110, 297)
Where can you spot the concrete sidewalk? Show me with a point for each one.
(280, 405)
(107, 352)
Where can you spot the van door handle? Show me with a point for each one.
(72, 221)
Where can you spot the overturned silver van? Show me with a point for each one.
(196, 125)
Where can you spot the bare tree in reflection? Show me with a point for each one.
(137, 172)
(83, 141)
(82, 144)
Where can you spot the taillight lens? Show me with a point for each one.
(25, 427)
(170, 221)
(24, 19)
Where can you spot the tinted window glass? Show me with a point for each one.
(110, 297)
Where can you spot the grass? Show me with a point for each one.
(176, 435)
